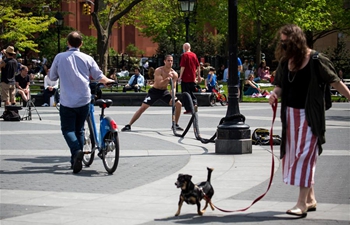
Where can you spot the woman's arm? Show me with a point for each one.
(342, 88)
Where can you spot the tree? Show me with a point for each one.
(105, 15)
(20, 28)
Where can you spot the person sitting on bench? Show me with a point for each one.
(22, 84)
(50, 89)
(136, 82)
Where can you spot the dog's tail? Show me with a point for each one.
(210, 170)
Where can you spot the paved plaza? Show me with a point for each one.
(37, 187)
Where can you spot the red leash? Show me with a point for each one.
(274, 109)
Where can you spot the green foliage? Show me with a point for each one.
(340, 56)
(89, 45)
(112, 52)
(21, 29)
(132, 50)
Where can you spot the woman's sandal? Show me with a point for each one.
(295, 211)
(312, 207)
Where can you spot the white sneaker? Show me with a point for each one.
(45, 104)
(58, 104)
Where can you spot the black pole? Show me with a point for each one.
(187, 23)
(233, 107)
(233, 135)
(58, 38)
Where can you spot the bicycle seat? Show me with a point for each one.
(104, 103)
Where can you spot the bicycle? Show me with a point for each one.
(107, 140)
(218, 96)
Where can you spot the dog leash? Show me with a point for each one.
(274, 109)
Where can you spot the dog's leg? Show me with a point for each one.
(181, 201)
(199, 208)
(205, 207)
(211, 206)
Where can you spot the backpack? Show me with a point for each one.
(11, 115)
(261, 136)
(325, 87)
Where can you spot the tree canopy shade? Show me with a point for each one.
(20, 28)
(161, 20)
(106, 14)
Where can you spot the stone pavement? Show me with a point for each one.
(37, 187)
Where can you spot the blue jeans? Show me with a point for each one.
(72, 127)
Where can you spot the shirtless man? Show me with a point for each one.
(162, 76)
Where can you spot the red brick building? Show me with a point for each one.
(120, 37)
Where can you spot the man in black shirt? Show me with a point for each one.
(22, 83)
(8, 67)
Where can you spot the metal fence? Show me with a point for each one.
(158, 60)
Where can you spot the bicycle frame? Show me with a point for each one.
(105, 140)
(107, 124)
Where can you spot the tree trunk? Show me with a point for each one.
(309, 38)
(258, 40)
(102, 49)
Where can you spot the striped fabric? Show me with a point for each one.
(299, 163)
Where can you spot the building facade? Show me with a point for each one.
(125, 35)
(120, 38)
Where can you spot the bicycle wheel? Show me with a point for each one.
(110, 153)
(212, 99)
(223, 99)
(89, 143)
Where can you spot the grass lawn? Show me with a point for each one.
(245, 98)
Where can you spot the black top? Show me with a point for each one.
(9, 71)
(22, 81)
(298, 85)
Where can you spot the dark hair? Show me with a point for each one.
(166, 56)
(151, 73)
(296, 45)
(75, 39)
(212, 69)
(111, 71)
(137, 68)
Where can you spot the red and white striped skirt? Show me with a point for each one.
(299, 162)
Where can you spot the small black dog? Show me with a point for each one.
(193, 193)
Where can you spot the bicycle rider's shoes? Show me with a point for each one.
(177, 127)
(77, 165)
(126, 128)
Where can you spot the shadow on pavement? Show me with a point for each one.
(272, 216)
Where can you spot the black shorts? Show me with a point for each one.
(155, 94)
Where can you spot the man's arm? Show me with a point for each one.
(181, 72)
(56, 84)
(142, 81)
(17, 85)
(175, 78)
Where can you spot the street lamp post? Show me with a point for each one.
(233, 135)
(187, 6)
(58, 24)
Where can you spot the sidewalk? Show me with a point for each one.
(37, 186)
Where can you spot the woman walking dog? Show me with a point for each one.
(302, 112)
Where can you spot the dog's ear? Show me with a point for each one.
(188, 177)
(180, 175)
